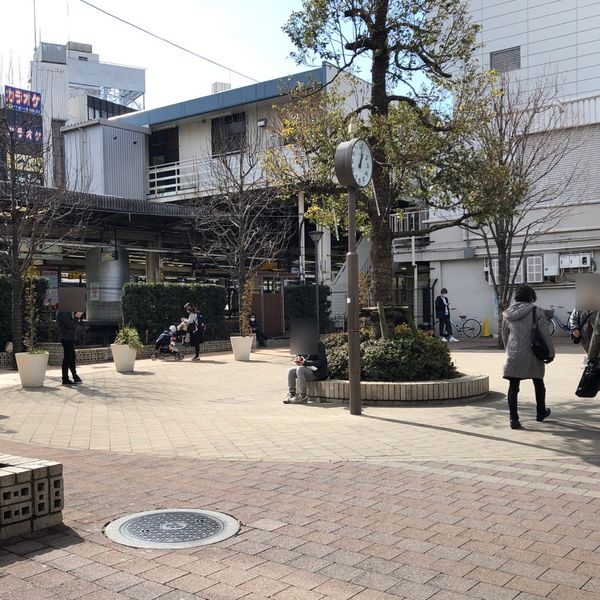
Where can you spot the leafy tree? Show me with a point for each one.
(411, 48)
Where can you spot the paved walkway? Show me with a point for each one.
(421, 503)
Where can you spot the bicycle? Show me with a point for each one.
(468, 326)
(554, 320)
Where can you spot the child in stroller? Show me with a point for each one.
(166, 343)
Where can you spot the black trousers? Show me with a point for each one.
(68, 363)
(446, 324)
(513, 396)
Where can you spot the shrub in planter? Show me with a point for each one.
(403, 357)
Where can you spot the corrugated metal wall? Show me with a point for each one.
(124, 163)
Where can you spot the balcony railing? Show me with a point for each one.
(402, 225)
(199, 176)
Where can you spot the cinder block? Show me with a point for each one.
(54, 468)
(21, 475)
(38, 469)
(55, 494)
(13, 513)
(7, 478)
(12, 494)
(10, 531)
(41, 498)
(50, 520)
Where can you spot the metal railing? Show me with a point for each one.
(409, 221)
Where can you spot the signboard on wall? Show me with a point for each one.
(22, 100)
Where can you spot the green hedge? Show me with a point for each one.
(403, 357)
(300, 304)
(44, 321)
(152, 307)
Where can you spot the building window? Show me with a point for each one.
(228, 134)
(535, 269)
(506, 60)
(520, 277)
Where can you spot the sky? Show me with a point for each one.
(245, 35)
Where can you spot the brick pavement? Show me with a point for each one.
(417, 503)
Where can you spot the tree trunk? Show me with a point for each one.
(379, 209)
(500, 321)
(17, 312)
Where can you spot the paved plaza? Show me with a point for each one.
(415, 502)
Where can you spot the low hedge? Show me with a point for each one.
(300, 304)
(402, 357)
(152, 307)
(44, 319)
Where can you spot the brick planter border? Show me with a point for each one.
(31, 495)
(469, 387)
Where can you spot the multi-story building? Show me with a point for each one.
(528, 39)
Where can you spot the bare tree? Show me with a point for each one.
(32, 217)
(522, 176)
(241, 221)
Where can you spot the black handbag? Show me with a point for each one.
(538, 344)
(589, 384)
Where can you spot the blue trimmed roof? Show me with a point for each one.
(224, 100)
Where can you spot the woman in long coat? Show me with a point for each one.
(521, 362)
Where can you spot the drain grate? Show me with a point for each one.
(172, 529)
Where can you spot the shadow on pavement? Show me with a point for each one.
(29, 546)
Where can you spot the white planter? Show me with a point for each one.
(241, 346)
(124, 357)
(32, 368)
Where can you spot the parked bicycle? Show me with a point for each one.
(555, 321)
(467, 326)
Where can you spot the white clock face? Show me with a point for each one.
(362, 163)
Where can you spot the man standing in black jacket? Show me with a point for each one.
(67, 334)
(309, 367)
(442, 312)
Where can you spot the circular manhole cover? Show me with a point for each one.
(173, 528)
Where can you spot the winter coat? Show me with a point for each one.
(318, 361)
(583, 320)
(67, 326)
(440, 307)
(521, 362)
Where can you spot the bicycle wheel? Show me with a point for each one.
(552, 326)
(471, 328)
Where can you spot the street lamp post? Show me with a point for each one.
(316, 236)
(354, 169)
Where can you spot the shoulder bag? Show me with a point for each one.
(589, 384)
(538, 344)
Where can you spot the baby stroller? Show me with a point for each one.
(167, 344)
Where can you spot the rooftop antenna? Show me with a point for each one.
(34, 26)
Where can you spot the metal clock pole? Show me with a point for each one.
(353, 335)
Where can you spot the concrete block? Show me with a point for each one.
(21, 475)
(14, 513)
(13, 494)
(7, 478)
(55, 494)
(38, 469)
(41, 498)
(15, 529)
(50, 520)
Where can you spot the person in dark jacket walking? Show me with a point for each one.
(521, 362)
(309, 367)
(67, 334)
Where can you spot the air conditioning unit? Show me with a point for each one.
(551, 264)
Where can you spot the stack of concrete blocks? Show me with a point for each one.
(31, 495)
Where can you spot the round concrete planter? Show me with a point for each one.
(32, 368)
(124, 357)
(466, 388)
(241, 346)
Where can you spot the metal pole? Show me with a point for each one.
(317, 289)
(302, 257)
(415, 277)
(353, 335)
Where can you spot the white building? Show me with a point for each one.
(76, 86)
(530, 39)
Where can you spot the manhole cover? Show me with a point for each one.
(184, 528)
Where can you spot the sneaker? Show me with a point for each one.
(291, 399)
(196, 358)
(302, 399)
(444, 339)
(516, 425)
(452, 339)
(68, 382)
(77, 379)
(542, 417)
